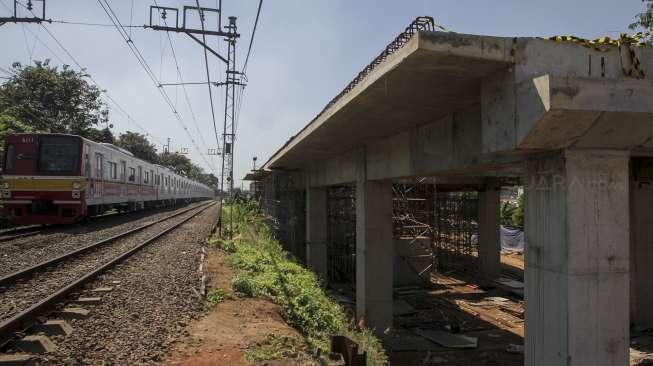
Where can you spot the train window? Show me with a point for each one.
(123, 170)
(59, 154)
(152, 175)
(132, 174)
(9, 157)
(113, 170)
(147, 177)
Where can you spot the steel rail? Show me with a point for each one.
(22, 321)
(8, 279)
(43, 229)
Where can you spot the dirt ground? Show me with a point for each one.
(225, 333)
(492, 315)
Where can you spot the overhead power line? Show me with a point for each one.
(82, 68)
(208, 77)
(92, 24)
(148, 70)
(183, 85)
(251, 39)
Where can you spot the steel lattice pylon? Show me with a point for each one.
(228, 135)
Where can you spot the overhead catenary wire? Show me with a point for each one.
(241, 90)
(208, 77)
(82, 68)
(148, 70)
(251, 39)
(183, 85)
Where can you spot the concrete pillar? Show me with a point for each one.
(577, 259)
(641, 259)
(374, 254)
(489, 245)
(316, 230)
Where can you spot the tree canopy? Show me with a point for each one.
(138, 145)
(52, 99)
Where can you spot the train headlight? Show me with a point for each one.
(76, 185)
(76, 194)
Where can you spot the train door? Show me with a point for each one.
(88, 171)
(123, 178)
(99, 175)
(140, 181)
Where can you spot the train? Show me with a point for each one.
(50, 178)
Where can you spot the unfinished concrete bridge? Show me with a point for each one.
(571, 123)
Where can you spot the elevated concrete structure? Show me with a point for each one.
(565, 117)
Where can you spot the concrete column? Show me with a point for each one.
(489, 245)
(641, 246)
(316, 230)
(577, 259)
(374, 254)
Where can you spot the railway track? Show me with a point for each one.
(84, 265)
(24, 232)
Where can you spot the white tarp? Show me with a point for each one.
(512, 240)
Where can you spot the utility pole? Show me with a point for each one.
(232, 77)
(228, 136)
(29, 6)
(166, 147)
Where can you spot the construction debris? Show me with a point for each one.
(446, 339)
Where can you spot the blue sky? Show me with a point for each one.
(304, 53)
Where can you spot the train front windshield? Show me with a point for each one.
(59, 155)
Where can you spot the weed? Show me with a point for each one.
(277, 347)
(216, 296)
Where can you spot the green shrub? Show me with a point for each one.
(244, 286)
(216, 296)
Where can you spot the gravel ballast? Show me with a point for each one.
(29, 291)
(24, 252)
(155, 295)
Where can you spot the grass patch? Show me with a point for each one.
(277, 347)
(216, 296)
(265, 269)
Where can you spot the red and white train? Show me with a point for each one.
(60, 179)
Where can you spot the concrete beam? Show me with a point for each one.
(577, 258)
(551, 112)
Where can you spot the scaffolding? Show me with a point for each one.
(456, 228)
(341, 235)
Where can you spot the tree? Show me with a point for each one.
(9, 125)
(138, 145)
(179, 163)
(644, 21)
(49, 99)
(209, 180)
(518, 213)
(103, 135)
